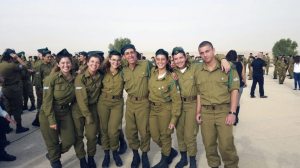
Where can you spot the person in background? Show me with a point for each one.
(297, 72)
(257, 66)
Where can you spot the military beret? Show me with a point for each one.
(85, 54)
(63, 52)
(41, 50)
(8, 51)
(20, 54)
(95, 53)
(114, 52)
(177, 50)
(127, 46)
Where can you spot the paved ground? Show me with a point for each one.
(267, 136)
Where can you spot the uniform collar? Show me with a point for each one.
(205, 68)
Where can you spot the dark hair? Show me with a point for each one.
(6, 54)
(205, 43)
(58, 59)
(127, 46)
(110, 54)
(231, 56)
(166, 54)
(177, 50)
(297, 59)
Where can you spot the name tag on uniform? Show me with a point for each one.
(46, 87)
(78, 88)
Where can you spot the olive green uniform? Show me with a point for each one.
(12, 89)
(187, 127)
(275, 62)
(27, 86)
(215, 88)
(281, 70)
(84, 111)
(267, 60)
(250, 60)
(137, 105)
(58, 94)
(291, 67)
(164, 96)
(37, 83)
(110, 109)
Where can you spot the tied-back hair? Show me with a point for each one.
(57, 59)
(231, 56)
(166, 54)
(297, 59)
(107, 63)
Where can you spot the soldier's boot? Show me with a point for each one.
(21, 129)
(32, 108)
(136, 159)
(172, 155)
(6, 157)
(163, 163)
(106, 160)
(183, 160)
(193, 163)
(56, 164)
(145, 160)
(36, 121)
(25, 107)
(91, 162)
(123, 144)
(237, 116)
(117, 158)
(83, 163)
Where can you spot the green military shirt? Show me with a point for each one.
(11, 72)
(36, 67)
(188, 79)
(165, 90)
(281, 65)
(44, 71)
(215, 86)
(87, 90)
(113, 84)
(57, 91)
(136, 80)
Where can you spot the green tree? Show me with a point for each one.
(119, 43)
(285, 47)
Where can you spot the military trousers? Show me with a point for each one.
(275, 72)
(39, 96)
(214, 131)
(110, 112)
(28, 92)
(137, 124)
(267, 69)
(61, 140)
(90, 130)
(159, 120)
(281, 76)
(187, 128)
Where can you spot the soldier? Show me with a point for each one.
(82, 61)
(250, 59)
(110, 107)
(84, 111)
(55, 117)
(12, 87)
(267, 59)
(164, 97)
(275, 62)
(215, 118)
(281, 69)
(136, 74)
(291, 66)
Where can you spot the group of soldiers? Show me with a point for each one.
(283, 64)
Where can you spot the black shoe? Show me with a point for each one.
(21, 129)
(136, 160)
(252, 96)
(123, 144)
(56, 164)
(172, 155)
(183, 160)
(91, 162)
(25, 108)
(117, 158)
(9, 130)
(32, 108)
(163, 163)
(83, 163)
(6, 157)
(36, 122)
(263, 96)
(47, 156)
(295, 88)
(145, 160)
(106, 160)
(193, 163)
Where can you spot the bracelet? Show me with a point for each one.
(230, 112)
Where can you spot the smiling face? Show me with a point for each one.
(93, 64)
(130, 55)
(47, 58)
(180, 60)
(161, 61)
(65, 65)
(115, 61)
(207, 53)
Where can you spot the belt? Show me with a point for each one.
(112, 96)
(216, 106)
(158, 103)
(137, 98)
(186, 99)
(61, 107)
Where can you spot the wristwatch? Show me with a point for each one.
(230, 112)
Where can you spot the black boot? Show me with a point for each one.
(106, 160)
(91, 162)
(145, 160)
(6, 157)
(172, 155)
(237, 116)
(83, 163)
(136, 159)
(32, 108)
(36, 121)
(123, 144)
(21, 129)
(193, 163)
(183, 160)
(117, 158)
(56, 164)
(163, 163)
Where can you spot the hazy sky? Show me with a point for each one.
(253, 25)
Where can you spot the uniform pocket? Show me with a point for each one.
(59, 87)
